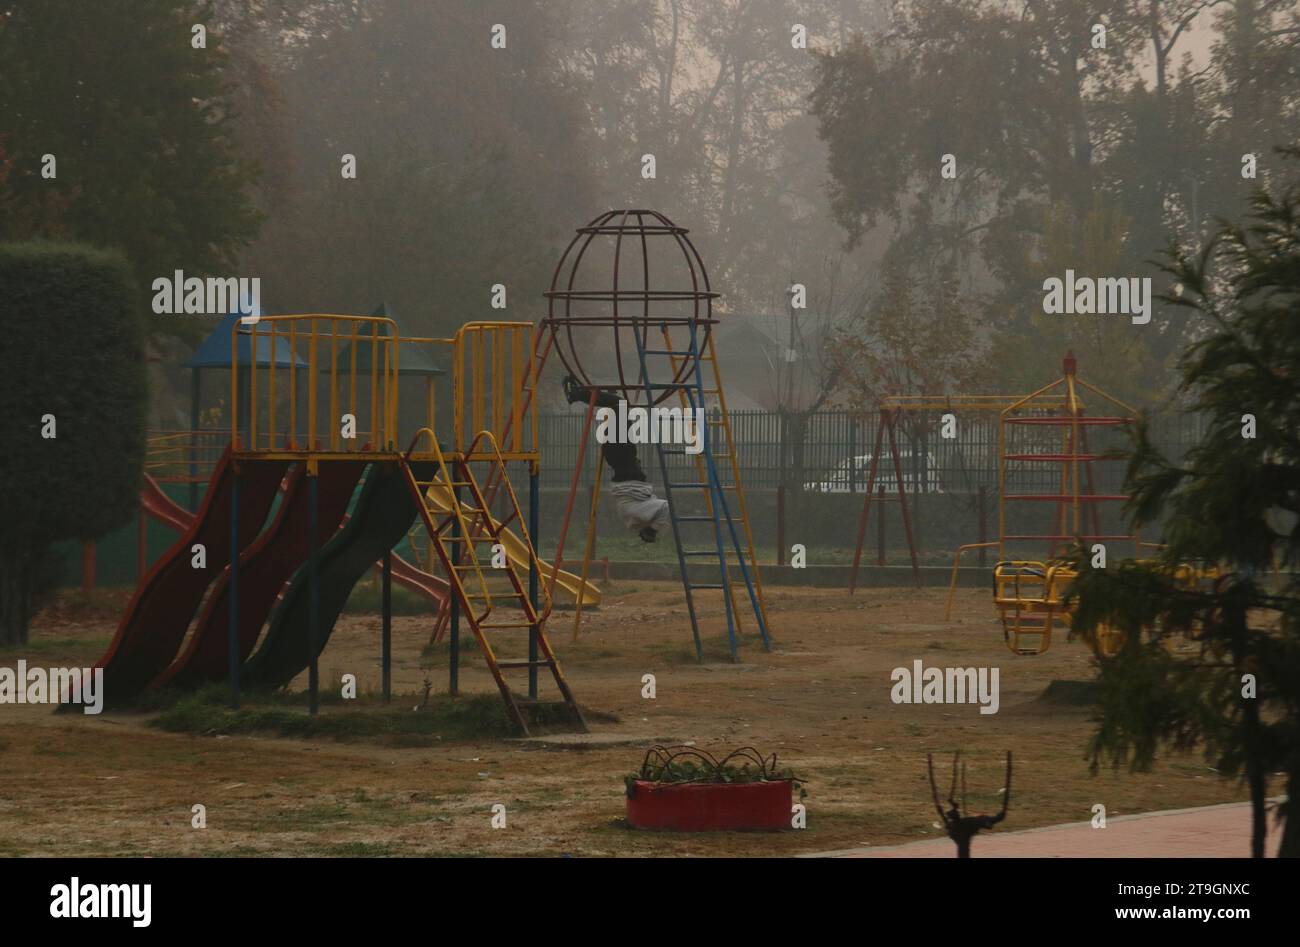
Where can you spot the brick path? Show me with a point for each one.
(1208, 832)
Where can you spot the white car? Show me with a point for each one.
(837, 479)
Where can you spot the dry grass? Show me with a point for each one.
(73, 785)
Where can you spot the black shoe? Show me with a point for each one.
(573, 390)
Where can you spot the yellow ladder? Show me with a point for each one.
(458, 533)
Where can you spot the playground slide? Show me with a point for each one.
(155, 621)
(170, 513)
(440, 500)
(383, 512)
(417, 580)
(264, 567)
(162, 507)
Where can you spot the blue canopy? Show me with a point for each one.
(214, 352)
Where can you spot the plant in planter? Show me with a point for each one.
(690, 790)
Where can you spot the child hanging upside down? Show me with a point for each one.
(643, 512)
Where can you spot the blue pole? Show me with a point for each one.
(232, 638)
(533, 526)
(313, 579)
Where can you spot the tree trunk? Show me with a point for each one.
(1256, 776)
(16, 575)
(1289, 847)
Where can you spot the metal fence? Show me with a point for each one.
(770, 451)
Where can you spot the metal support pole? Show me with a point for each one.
(534, 525)
(867, 496)
(453, 648)
(984, 525)
(880, 525)
(387, 608)
(853, 450)
(232, 629)
(313, 579)
(780, 525)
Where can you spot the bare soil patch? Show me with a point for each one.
(113, 785)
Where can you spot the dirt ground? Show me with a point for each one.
(111, 785)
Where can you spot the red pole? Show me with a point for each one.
(902, 504)
(866, 502)
(880, 526)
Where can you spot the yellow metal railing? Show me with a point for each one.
(288, 353)
(183, 456)
(495, 365)
(308, 374)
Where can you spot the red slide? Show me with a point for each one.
(417, 580)
(159, 613)
(162, 507)
(264, 567)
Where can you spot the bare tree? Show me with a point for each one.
(962, 828)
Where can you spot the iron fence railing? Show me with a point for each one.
(771, 452)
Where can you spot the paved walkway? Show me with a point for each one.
(1208, 832)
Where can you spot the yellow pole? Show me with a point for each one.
(311, 389)
(252, 387)
(457, 389)
(234, 385)
(374, 381)
(1002, 485)
(293, 382)
(334, 387)
(270, 396)
(591, 542)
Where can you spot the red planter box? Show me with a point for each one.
(703, 807)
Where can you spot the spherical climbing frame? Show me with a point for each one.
(662, 352)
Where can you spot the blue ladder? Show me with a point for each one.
(691, 396)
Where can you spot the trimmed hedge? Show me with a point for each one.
(74, 348)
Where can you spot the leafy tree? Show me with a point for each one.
(72, 405)
(715, 90)
(139, 126)
(1054, 137)
(1234, 504)
(471, 165)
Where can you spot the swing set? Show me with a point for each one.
(1043, 439)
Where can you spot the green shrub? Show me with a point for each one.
(72, 365)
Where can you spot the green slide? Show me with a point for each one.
(383, 513)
